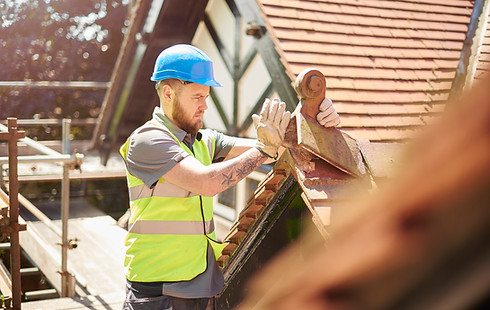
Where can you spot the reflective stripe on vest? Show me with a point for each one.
(171, 227)
(161, 189)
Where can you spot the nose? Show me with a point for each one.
(204, 104)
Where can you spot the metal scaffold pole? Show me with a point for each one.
(12, 226)
(14, 214)
(67, 278)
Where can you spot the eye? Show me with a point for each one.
(199, 98)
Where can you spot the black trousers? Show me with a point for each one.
(138, 301)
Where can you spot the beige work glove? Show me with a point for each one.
(328, 116)
(271, 125)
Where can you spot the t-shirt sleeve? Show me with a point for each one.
(152, 152)
(223, 145)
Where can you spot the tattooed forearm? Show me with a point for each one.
(228, 179)
(210, 180)
(238, 168)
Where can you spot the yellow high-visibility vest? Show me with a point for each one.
(169, 228)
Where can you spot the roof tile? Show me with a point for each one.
(229, 249)
(376, 54)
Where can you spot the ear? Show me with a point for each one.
(167, 93)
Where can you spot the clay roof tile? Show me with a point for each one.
(373, 51)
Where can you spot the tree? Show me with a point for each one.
(58, 40)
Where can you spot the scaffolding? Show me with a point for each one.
(9, 222)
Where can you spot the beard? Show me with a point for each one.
(179, 116)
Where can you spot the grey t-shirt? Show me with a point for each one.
(152, 152)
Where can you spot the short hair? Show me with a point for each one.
(176, 84)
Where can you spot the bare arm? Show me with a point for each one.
(197, 178)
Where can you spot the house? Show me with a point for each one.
(389, 65)
(390, 68)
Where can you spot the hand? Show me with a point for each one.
(271, 125)
(328, 116)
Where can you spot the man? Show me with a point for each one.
(174, 169)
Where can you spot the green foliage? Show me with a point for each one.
(58, 40)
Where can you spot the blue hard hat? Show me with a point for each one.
(184, 62)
